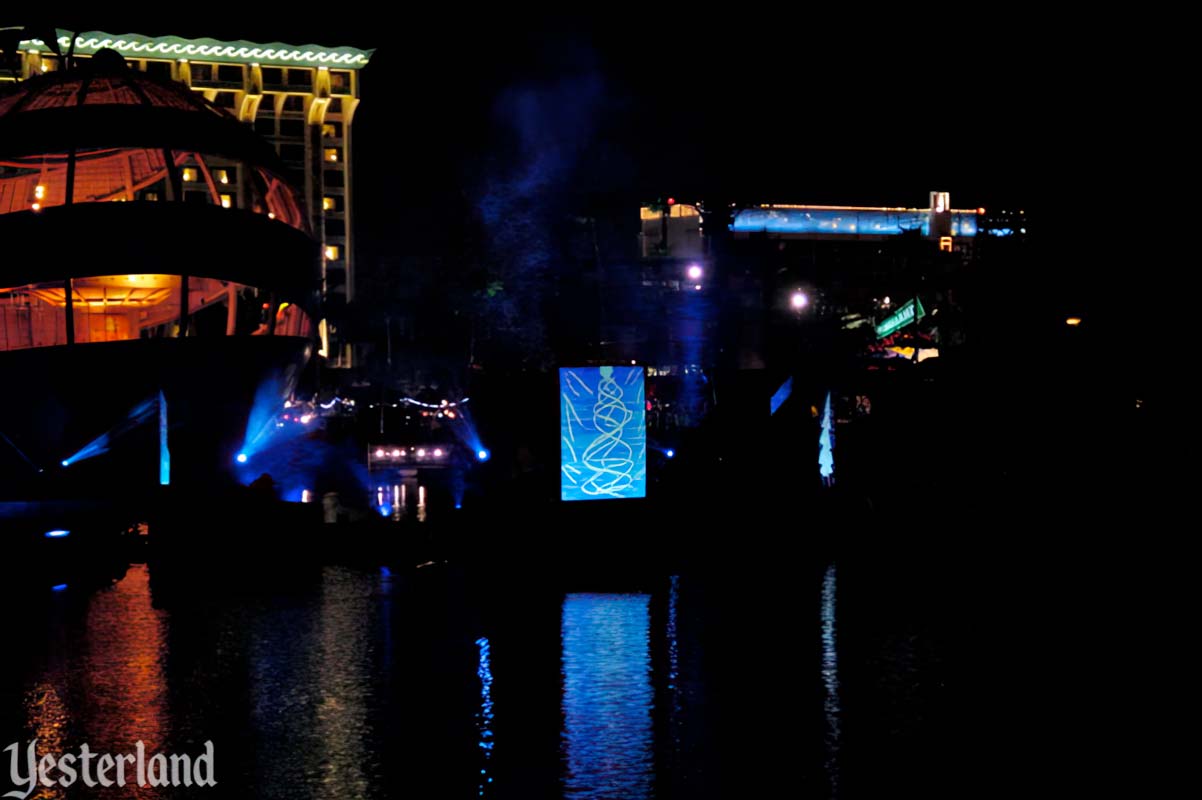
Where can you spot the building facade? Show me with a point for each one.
(301, 99)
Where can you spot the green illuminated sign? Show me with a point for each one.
(900, 318)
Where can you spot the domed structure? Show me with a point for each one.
(152, 243)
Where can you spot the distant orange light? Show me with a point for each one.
(980, 211)
(1073, 321)
(36, 206)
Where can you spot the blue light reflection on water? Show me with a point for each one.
(831, 706)
(484, 717)
(607, 743)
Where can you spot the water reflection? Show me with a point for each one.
(484, 717)
(674, 713)
(343, 666)
(313, 679)
(48, 721)
(830, 681)
(109, 689)
(322, 682)
(607, 696)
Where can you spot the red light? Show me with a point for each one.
(671, 201)
(266, 306)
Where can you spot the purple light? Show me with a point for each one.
(695, 272)
(799, 300)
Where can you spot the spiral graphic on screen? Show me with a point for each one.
(608, 457)
(604, 451)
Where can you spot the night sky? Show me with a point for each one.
(745, 103)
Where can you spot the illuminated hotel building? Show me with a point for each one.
(718, 282)
(300, 99)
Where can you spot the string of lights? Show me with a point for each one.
(413, 402)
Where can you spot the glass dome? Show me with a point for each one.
(104, 133)
(166, 216)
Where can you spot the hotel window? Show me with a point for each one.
(273, 76)
(292, 127)
(292, 152)
(302, 78)
(332, 130)
(159, 69)
(265, 121)
(333, 178)
(340, 81)
(330, 154)
(189, 175)
(332, 252)
(229, 73)
(224, 99)
(335, 227)
(294, 102)
(202, 72)
(227, 200)
(329, 203)
(225, 175)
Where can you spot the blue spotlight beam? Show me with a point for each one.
(782, 394)
(141, 413)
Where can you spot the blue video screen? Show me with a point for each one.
(603, 429)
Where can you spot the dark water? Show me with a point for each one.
(325, 681)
